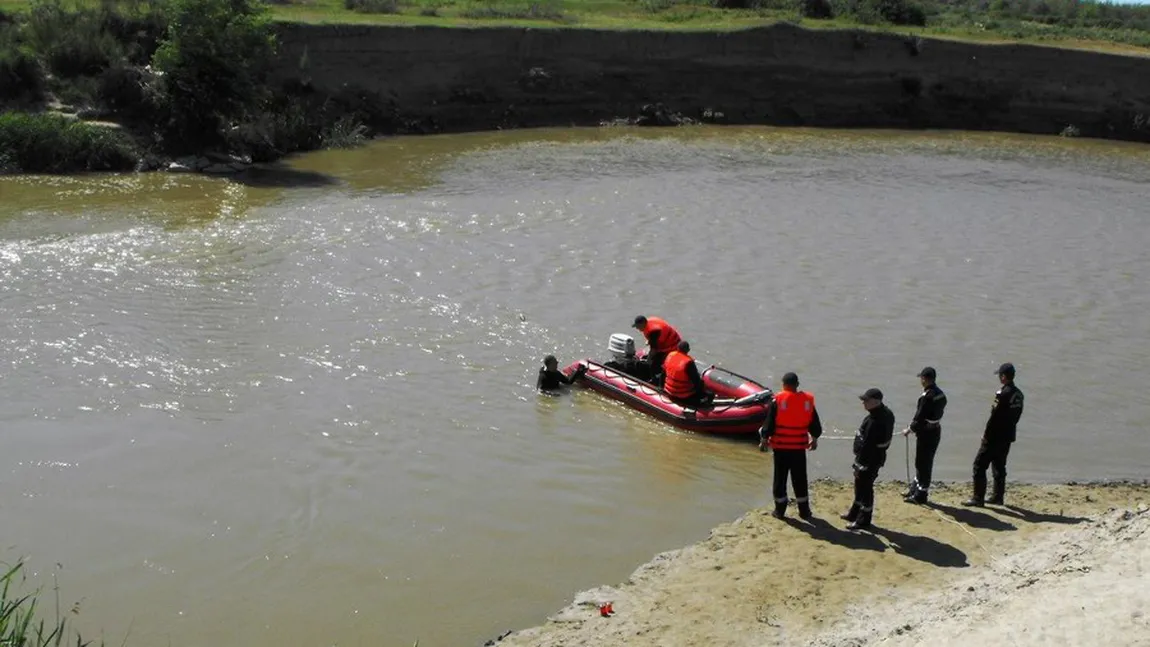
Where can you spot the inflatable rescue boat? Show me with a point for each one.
(739, 406)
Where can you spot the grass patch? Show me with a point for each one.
(372, 6)
(50, 143)
(20, 624)
(546, 10)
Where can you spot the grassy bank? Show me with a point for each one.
(1073, 23)
(21, 622)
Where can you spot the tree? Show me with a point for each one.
(214, 61)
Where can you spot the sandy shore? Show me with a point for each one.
(1060, 564)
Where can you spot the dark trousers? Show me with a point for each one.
(793, 462)
(925, 446)
(864, 489)
(991, 454)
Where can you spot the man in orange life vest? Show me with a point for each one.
(683, 382)
(662, 339)
(792, 426)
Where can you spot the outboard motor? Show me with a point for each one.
(622, 347)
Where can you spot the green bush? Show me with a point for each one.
(898, 12)
(21, 77)
(50, 143)
(215, 60)
(817, 9)
(72, 40)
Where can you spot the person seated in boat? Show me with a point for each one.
(623, 359)
(551, 378)
(662, 339)
(681, 379)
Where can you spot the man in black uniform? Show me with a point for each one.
(871, 442)
(927, 431)
(996, 440)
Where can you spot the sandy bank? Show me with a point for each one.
(1061, 564)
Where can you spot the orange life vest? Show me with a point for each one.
(668, 337)
(675, 380)
(794, 411)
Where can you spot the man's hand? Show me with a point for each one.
(763, 446)
(907, 431)
(814, 444)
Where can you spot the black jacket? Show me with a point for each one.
(931, 404)
(873, 438)
(1004, 415)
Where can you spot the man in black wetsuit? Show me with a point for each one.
(551, 378)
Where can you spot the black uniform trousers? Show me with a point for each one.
(925, 447)
(794, 463)
(864, 489)
(992, 454)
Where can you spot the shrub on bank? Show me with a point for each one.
(50, 143)
(21, 77)
(215, 60)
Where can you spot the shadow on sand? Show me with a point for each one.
(923, 549)
(822, 530)
(973, 517)
(1030, 516)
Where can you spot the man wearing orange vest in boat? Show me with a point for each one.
(792, 426)
(683, 382)
(662, 338)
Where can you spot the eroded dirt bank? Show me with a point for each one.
(439, 79)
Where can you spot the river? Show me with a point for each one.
(298, 409)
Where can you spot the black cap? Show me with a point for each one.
(1006, 369)
(927, 372)
(639, 321)
(790, 379)
(871, 394)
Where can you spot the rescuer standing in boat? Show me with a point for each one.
(927, 429)
(791, 428)
(662, 339)
(999, 435)
(871, 442)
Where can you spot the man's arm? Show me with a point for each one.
(816, 427)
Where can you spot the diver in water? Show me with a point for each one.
(551, 378)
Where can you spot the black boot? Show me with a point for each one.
(780, 511)
(862, 523)
(998, 493)
(974, 502)
(919, 497)
(805, 511)
(911, 489)
(852, 514)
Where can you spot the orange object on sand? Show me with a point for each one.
(606, 610)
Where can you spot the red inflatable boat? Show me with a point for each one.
(739, 407)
